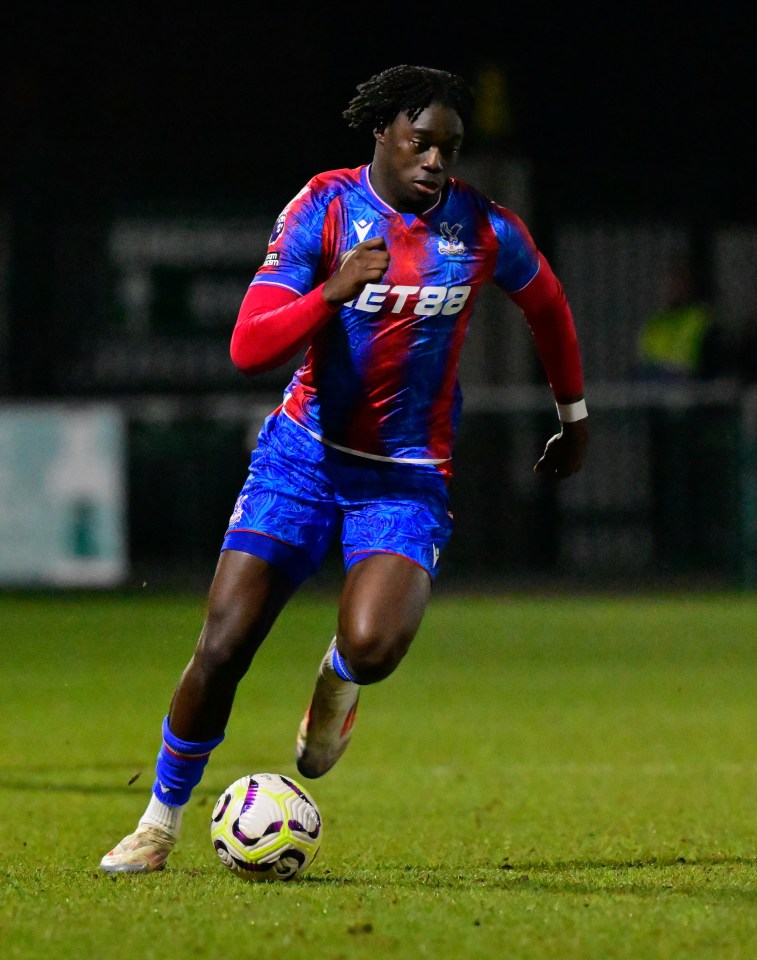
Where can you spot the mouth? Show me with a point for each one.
(427, 187)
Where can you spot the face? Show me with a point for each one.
(413, 161)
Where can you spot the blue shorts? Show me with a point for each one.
(299, 491)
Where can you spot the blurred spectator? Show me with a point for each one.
(492, 121)
(680, 341)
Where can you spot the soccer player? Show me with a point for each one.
(376, 269)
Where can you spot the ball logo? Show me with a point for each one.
(278, 227)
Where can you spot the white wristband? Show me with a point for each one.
(570, 412)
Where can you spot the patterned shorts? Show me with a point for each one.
(299, 492)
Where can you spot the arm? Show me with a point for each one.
(274, 323)
(548, 314)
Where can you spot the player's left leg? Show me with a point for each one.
(381, 609)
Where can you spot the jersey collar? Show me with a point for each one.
(365, 177)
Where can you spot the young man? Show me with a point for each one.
(377, 270)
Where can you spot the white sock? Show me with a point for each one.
(159, 814)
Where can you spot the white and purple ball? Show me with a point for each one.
(266, 827)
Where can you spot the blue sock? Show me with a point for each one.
(180, 767)
(340, 667)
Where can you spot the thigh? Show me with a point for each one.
(246, 596)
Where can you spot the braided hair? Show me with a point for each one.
(406, 89)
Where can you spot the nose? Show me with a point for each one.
(432, 159)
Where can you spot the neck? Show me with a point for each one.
(381, 188)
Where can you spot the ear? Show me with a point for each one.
(379, 132)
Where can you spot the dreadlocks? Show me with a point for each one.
(406, 89)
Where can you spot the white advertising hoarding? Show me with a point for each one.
(62, 495)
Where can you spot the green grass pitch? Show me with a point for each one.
(543, 777)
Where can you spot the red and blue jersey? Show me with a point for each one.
(380, 379)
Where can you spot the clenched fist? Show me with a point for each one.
(366, 262)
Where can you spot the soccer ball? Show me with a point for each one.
(266, 827)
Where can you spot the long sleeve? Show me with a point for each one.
(549, 316)
(273, 324)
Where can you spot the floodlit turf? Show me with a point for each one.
(542, 778)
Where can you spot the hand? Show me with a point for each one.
(565, 452)
(366, 262)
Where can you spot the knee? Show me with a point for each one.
(372, 655)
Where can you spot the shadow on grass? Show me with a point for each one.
(692, 878)
(32, 782)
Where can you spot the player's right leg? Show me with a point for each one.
(245, 598)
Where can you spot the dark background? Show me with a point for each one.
(102, 101)
(620, 111)
(622, 114)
